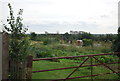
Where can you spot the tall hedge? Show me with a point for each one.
(116, 44)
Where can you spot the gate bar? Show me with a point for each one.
(77, 68)
(106, 66)
(67, 57)
(72, 67)
(86, 76)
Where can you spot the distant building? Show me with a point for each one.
(81, 32)
(46, 32)
(76, 32)
(79, 43)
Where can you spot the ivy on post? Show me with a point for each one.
(19, 44)
(119, 47)
(116, 47)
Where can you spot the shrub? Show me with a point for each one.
(87, 42)
(19, 41)
(43, 54)
(116, 43)
(46, 41)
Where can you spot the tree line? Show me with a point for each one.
(66, 36)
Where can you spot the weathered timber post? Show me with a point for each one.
(0, 56)
(29, 67)
(119, 65)
(5, 55)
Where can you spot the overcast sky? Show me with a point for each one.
(94, 16)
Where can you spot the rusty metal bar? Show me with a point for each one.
(119, 65)
(80, 64)
(91, 67)
(86, 76)
(77, 68)
(75, 56)
(72, 67)
(106, 66)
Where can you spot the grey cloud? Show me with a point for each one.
(62, 27)
(104, 16)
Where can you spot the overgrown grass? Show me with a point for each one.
(60, 50)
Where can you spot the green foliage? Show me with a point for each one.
(19, 42)
(66, 37)
(87, 42)
(108, 59)
(33, 36)
(47, 41)
(42, 52)
(58, 74)
(86, 35)
(74, 37)
(58, 50)
(104, 37)
(116, 43)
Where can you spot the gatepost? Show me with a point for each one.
(4, 60)
(0, 56)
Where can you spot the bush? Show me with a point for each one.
(43, 54)
(104, 50)
(87, 42)
(46, 41)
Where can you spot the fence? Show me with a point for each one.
(17, 69)
(4, 55)
(91, 57)
(0, 56)
(9, 67)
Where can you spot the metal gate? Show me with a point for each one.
(91, 57)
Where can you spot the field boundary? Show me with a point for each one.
(91, 57)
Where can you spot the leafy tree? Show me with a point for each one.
(33, 36)
(86, 35)
(19, 42)
(66, 36)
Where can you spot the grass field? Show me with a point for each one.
(60, 74)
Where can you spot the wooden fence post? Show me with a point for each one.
(5, 55)
(0, 56)
(119, 63)
(29, 67)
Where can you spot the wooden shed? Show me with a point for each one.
(79, 42)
